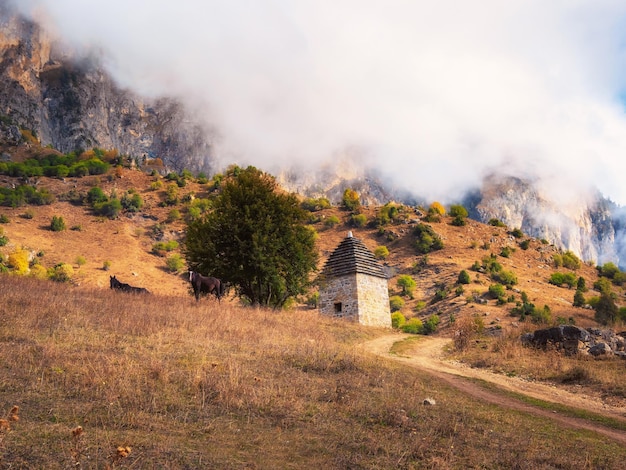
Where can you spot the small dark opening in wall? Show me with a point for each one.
(338, 307)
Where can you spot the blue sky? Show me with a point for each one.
(432, 94)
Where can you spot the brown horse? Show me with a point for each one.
(122, 286)
(206, 285)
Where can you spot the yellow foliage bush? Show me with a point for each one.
(39, 272)
(61, 272)
(18, 261)
(438, 207)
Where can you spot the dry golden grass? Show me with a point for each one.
(600, 377)
(104, 378)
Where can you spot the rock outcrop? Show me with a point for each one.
(573, 340)
(586, 227)
(72, 103)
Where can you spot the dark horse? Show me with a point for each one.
(206, 285)
(121, 286)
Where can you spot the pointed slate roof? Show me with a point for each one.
(351, 257)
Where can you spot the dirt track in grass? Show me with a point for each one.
(428, 356)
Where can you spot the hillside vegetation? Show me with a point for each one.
(104, 378)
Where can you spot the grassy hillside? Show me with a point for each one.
(208, 385)
(110, 380)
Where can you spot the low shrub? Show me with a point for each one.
(61, 273)
(57, 224)
(332, 221)
(381, 252)
(396, 303)
(397, 320)
(413, 326)
(430, 325)
(175, 263)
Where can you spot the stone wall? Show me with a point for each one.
(362, 298)
(373, 301)
(341, 290)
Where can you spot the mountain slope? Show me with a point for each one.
(127, 244)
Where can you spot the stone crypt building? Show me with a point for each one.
(354, 285)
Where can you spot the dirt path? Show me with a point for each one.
(428, 356)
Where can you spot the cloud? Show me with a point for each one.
(435, 94)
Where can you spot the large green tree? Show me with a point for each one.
(255, 239)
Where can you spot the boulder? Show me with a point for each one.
(558, 335)
(601, 349)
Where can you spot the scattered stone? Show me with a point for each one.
(575, 340)
(429, 401)
(600, 349)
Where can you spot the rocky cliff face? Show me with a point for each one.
(72, 104)
(587, 228)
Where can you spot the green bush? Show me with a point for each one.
(96, 195)
(506, 251)
(432, 216)
(464, 277)
(57, 224)
(602, 285)
(413, 326)
(459, 213)
(332, 221)
(541, 316)
(110, 209)
(608, 270)
(458, 221)
(571, 261)
(106, 265)
(358, 220)
(558, 279)
(496, 223)
(388, 213)
(314, 205)
(160, 248)
(61, 273)
(4, 219)
(579, 298)
(606, 310)
(426, 239)
(381, 252)
(407, 284)
(508, 278)
(131, 201)
(524, 244)
(497, 291)
(397, 320)
(430, 326)
(396, 303)
(350, 200)
(80, 260)
(457, 210)
(441, 293)
(175, 263)
(517, 233)
(171, 195)
(173, 215)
